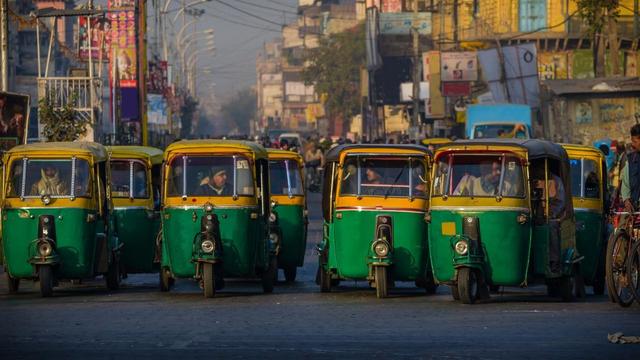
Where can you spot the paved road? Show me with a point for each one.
(297, 321)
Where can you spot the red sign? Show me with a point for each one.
(453, 89)
(123, 47)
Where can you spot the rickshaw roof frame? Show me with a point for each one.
(435, 141)
(154, 155)
(277, 154)
(197, 146)
(97, 151)
(334, 154)
(587, 149)
(535, 148)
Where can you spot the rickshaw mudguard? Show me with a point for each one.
(137, 230)
(293, 241)
(244, 246)
(75, 241)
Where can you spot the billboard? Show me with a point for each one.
(94, 44)
(459, 66)
(157, 109)
(123, 47)
(402, 23)
(14, 112)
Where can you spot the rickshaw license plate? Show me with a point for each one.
(448, 228)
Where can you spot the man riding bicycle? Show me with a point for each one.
(630, 174)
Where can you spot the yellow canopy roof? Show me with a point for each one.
(92, 149)
(211, 145)
(123, 151)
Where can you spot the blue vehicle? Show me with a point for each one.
(498, 121)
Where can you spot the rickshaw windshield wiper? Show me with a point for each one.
(386, 194)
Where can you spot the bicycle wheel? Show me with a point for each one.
(616, 271)
(633, 270)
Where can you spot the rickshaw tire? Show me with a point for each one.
(208, 279)
(382, 285)
(613, 291)
(634, 262)
(268, 277)
(290, 273)
(45, 276)
(113, 274)
(468, 285)
(455, 294)
(166, 281)
(325, 280)
(14, 284)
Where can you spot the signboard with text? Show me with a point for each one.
(459, 66)
(402, 23)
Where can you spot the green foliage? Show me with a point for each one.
(240, 110)
(596, 13)
(334, 69)
(187, 110)
(61, 124)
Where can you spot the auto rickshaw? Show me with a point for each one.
(373, 204)
(215, 216)
(135, 192)
(434, 143)
(589, 190)
(289, 216)
(56, 215)
(501, 215)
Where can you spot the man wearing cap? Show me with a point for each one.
(217, 184)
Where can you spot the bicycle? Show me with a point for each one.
(623, 240)
(633, 271)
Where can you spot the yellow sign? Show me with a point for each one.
(448, 228)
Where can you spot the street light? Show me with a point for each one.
(197, 2)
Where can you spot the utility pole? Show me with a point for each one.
(636, 21)
(416, 66)
(4, 44)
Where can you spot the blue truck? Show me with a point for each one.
(498, 121)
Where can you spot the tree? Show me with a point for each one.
(241, 110)
(334, 68)
(61, 124)
(600, 16)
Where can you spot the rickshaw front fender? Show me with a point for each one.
(46, 260)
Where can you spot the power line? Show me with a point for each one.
(249, 13)
(281, 4)
(266, 7)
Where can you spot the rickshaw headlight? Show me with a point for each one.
(381, 248)
(45, 248)
(207, 246)
(46, 199)
(208, 207)
(462, 247)
(273, 217)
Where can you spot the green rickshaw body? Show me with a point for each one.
(293, 224)
(135, 190)
(588, 225)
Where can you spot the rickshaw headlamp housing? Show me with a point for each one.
(207, 246)
(208, 207)
(381, 248)
(462, 247)
(273, 217)
(45, 248)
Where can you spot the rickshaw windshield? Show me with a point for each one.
(584, 178)
(285, 178)
(129, 179)
(383, 176)
(58, 178)
(210, 176)
(491, 131)
(479, 175)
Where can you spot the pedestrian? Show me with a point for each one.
(630, 174)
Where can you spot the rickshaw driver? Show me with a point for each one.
(489, 183)
(217, 184)
(373, 178)
(49, 183)
(630, 174)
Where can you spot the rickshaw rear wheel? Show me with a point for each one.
(290, 273)
(382, 289)
(616, 274)
(208, 279)
(14, 284)
(166, 281)
(269, 276)
(455, 294)
(45, 275)
(113, 274)
(468, 285)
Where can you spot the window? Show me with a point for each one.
(210, 176)
(584, 179)
(383, 176)
(285, 177)
(58, 178)
(479, 176)
(129, 180)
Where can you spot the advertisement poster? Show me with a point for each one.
(157, 77)
(402, 23)
(434, 104)
(459, 66)
(583, 113)
(121, 4)
(94, 45)
(14, 112)
(156, 109)
(392, 6)
(123, 47)
(553, 65)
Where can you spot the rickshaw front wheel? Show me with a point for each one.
(290, 273)
(45, 275)
(14, 284)
(468, 285)
(455, 294)
(380, 273)
(208, 278)
(269, 276)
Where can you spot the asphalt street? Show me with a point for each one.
(297, 321)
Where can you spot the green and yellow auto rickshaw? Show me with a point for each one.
(374, 202)
(288, 209)
(501, 215)
(56, 216)
(215, 216)
(589, 188)
(135, 192)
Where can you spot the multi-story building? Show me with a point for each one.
(269, 86)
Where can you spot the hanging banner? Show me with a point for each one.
(434, 104)
(157, 77)
(123, 46)
(459, 66)
(14, 112)
(454, 89)
(156, 109)
(96, 44)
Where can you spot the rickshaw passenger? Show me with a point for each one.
(557, 205)
(489, 183)
(373, 178)
(591, 188)
(140, 183)
(49, 183)
(217, 184)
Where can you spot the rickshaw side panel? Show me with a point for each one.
(138, 234)
(355, 232)
(540, 251)
(590, 241)
(505, 243)
(242, 239)
(75, 241)
(294, 237)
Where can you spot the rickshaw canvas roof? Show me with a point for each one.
(98, 151)
(583, 149)
(334, 154)
(283, 154)
(153, 154)
(195, 145)
(536, 148)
